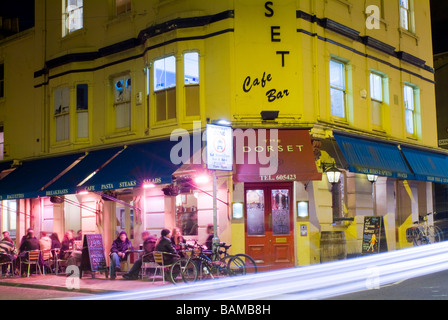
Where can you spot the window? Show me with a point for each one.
(73, 16)
(62, 113)
(122, 102)
(165, 88)
(2, 80)
(191, 75)
(2, 143)
(337, 88)
(82, 110)
(409, 108)
(406, 15)
(376, 98)
(9, 216)
(122, 6)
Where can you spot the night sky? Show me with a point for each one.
(23, 9)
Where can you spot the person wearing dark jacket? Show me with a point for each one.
(118, 252)
(149, 245)
(165, 245)
(29, 243)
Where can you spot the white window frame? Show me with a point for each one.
(338, 86)
(164, 86)
(409, 98)
(62, 113)
(122, 87)
(406, 13)
(377, 96)
(82, 112)
(73, 16)
(191, 83)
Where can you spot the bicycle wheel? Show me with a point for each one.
(420, 238)
(234, 266)
(183, 270)
(435, 234)
(249, 263)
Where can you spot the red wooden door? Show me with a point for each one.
(269, 225)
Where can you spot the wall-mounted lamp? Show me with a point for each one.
(269, 115)
(372, 178)
(333, 173)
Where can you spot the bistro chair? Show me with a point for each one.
(6, 260)
(48, 259)
(33, 258)
(147, 263)
(58, 261)
(159, 258)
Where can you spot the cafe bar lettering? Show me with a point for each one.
(249, 84)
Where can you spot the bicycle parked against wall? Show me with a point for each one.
(424, 233)
(249, 262)
(198, 265)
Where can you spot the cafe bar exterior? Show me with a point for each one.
(104, 113)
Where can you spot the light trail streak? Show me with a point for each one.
(311, 282)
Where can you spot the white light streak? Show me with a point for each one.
(304, 283)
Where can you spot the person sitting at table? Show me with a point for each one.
(178, 241)
(149, 244)
(8, 253)
(118, 252)
(67, 245)
(29, 243)
(7, 237)
(164, 245)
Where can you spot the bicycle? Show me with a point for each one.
(249, 262)
(423, 233)
(199, 266)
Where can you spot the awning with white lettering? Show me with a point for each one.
(113, 168)
(28, 179)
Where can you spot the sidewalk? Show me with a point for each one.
(87, 284)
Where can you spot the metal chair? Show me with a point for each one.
(147, 263)
(33, 258)
(6, 260)
(47, 257)
(57, 259)
(159, 258)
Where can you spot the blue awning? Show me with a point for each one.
(136, 165)
(427, 166)
(373, 157)
(28, 179)
(92, 163)
(112, 168)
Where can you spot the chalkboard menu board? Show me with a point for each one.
(93, 258)
(374, 235)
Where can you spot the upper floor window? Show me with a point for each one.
(122, 101)
(406, 15)
(2, 80)
(410, 109)
(82, 110)
(122, 6)
(191, 75)
(376, 98)
(72, 16)
(337, 88)
(165, 88)
(62, 113)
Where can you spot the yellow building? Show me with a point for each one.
(96, 85)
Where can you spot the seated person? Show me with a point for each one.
(118, 252)
(8, 253)
(29, 243)
(149, 244)
(165, 245)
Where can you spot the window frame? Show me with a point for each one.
(126, 3)
(82, 110)
(166, 90)
(122, 101)
(341, 89)
(377, 101)
(410, 109)
(2, 80)
(62, 116)
(72, 13)
(192, 85)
